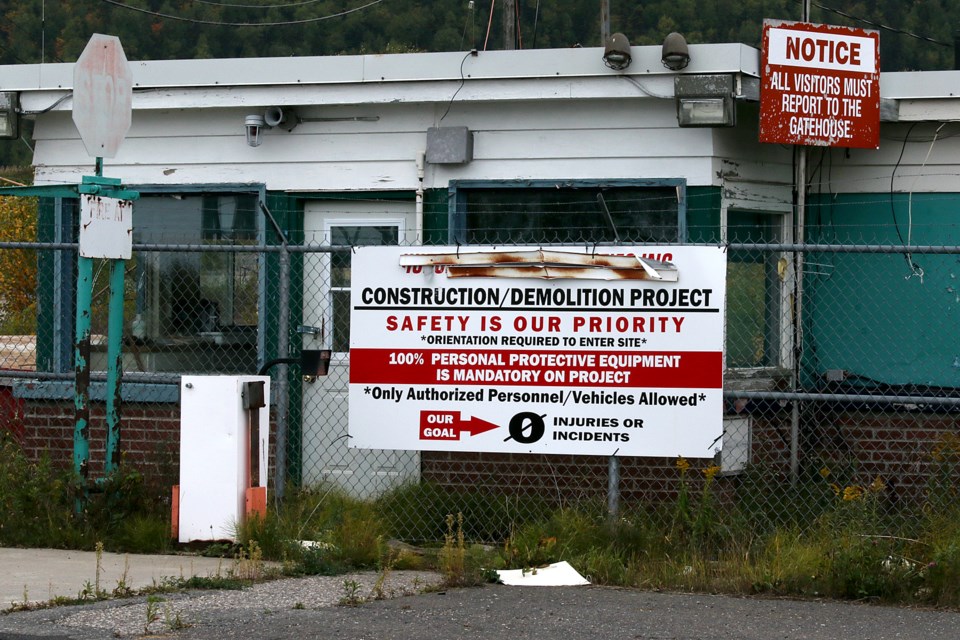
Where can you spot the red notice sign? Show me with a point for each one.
(820, 85)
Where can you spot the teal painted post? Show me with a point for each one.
(81, 356)
(114, 364)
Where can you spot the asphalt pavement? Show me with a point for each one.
(312, 607)
(585, 613)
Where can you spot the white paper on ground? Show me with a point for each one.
(558, 574)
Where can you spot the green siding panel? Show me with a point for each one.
(703, 214)
(435, 216)
(872, 315)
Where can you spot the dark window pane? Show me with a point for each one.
(551, 215)
(353, 236)
(753, 291)
(196, 311)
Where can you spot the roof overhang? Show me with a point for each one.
(532, 74)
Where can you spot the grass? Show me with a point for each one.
(825, 537)
(38, 501)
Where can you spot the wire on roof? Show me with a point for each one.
(234, 5)
(219, 23)
(881, 26)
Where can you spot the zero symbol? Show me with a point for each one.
(526, 427)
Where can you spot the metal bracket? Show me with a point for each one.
(305, 329)
(106, 187)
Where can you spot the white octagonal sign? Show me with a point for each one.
(102, 95)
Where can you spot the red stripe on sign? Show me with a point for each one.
(660, 370)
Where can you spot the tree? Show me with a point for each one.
(18, 267)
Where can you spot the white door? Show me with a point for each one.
(327, 456)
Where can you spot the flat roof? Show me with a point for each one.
(407, 67)
(422, 77)
(917, 85)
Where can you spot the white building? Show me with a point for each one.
(495, 147)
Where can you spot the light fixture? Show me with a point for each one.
(279, 117)
(675, 55)
(254, 126)
(616, 52)
(704, 112)
(705, 100)
(9, 115)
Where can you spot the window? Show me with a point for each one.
(755, 304)
(192, 311)
(351, 234)
(563, 213)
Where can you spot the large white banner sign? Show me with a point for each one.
(524, 365)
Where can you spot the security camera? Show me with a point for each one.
(254, 127)
(278, 117)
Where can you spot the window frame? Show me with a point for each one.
(327, 266)
(143, 389)
(457, 204)
(770, 376)
(776, 310)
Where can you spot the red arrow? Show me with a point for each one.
(448, 425)
(475, 426)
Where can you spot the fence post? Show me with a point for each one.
(114, 365)
(283, 347)
(283, 398)
(801, 186)
(613, 489)
(81, 358)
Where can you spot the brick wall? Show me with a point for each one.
(857, 446)
(897, 446)
(557, 478)
(150, 437)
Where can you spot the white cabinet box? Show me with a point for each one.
(214, 454)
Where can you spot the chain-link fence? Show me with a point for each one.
(841, 377)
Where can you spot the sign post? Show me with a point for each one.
(102, 108)
(820, 86)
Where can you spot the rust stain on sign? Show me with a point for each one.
(544, 264)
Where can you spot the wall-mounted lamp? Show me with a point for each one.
(675, 55)
(9, 115)
(705, 100)
(254, 126)
(616, 52)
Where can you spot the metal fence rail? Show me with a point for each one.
(855, 394)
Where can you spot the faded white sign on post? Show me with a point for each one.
(573, 365)
(102, 95)
(106, 227)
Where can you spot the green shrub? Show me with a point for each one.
(418, 512)
(38, 507)
(36, 502)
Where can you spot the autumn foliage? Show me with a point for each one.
(18, 267)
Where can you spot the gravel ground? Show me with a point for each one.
(164, 614)
(295, 609)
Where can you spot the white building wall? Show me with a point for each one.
(562, 139)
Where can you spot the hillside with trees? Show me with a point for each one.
(56, 30)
